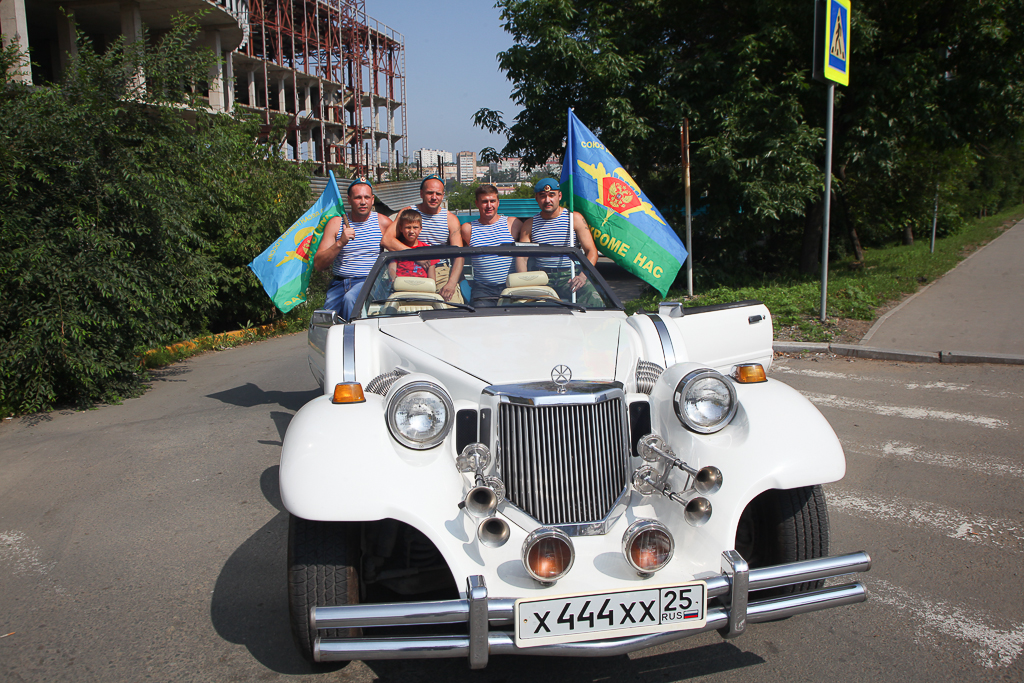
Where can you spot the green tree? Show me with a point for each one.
(740, 72)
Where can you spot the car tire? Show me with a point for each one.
(322, 561)
(785, 525)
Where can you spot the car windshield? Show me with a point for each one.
(509, 278)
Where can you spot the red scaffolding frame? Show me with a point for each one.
(331, 68)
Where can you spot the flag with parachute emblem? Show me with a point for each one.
(626, 226)
(284, 268)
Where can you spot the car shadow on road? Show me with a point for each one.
(677, 665)
(270, 485)
(249, 607)
(250, 395)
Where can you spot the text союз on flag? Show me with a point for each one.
(626, 226)
(284, 268)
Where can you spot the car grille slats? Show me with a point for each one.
(564, 463)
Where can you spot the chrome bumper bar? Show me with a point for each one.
(484, 614)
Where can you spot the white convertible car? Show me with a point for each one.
(539, 473)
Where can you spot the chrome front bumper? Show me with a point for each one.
(486, 616)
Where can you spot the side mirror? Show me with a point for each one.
(325, 317)
(671, 309)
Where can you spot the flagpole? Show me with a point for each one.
(684, 131)
(572, 215)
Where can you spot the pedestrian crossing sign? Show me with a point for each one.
(837, 41)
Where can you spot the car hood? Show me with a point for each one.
(514, 349)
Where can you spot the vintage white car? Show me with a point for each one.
(532, 474)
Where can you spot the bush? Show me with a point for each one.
(123, 224)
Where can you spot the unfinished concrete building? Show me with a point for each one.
(335, 72)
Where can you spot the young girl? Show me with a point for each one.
(409, 225)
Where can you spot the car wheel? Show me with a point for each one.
(782, 526)
(322, 561)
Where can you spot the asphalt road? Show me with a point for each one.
(146, 541)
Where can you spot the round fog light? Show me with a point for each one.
(647, 545)
(548, 554)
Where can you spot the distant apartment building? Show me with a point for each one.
(466, 162)
(428, 158)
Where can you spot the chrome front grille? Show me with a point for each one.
(564, 463)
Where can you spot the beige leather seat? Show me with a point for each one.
(532, 283)
(421, 288)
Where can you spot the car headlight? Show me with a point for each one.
(420, 415)
(705, 401)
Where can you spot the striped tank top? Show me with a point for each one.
(491, 270)
(435, 228)
(557, 232)
(359, 254)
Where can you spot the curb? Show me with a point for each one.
(194, 343)
(876, 353)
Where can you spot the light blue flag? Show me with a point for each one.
(626, 226)
(284, 268)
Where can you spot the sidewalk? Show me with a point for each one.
(974, 313)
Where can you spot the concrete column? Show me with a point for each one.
(216, 76)
(251, 76)
(131, 21)
(131, 29)
(15, 30)
(229, 81)
(67, 39)
(282, 100)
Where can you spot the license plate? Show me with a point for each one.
(593, 616)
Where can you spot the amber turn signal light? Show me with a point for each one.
(348, 392)
(751, 373)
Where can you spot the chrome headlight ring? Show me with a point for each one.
(420, 415)
(705, 401)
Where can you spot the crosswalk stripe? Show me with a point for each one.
(991, 465)
(998, 533)
(916, 413)
(994, 646)
(951, 387)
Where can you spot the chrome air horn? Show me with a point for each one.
(705, 481)
(483, 499)
(648, 481)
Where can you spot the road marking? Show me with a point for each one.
(998, 533)
(862, 405)
(995, 645)
(17, 551)
(860, 379)
(24, 557)
(989, 465)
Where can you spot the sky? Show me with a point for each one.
(451, 62)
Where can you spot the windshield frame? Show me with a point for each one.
(519, 249)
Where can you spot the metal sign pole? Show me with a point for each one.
(828, 196)
(685, 133)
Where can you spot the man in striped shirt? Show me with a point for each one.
(440, 227)
(491, 229)
(350, 248)
(557, 226)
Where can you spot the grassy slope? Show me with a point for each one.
(855, 290)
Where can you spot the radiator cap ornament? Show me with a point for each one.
(560, 375)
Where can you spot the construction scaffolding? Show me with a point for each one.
(331, 70)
